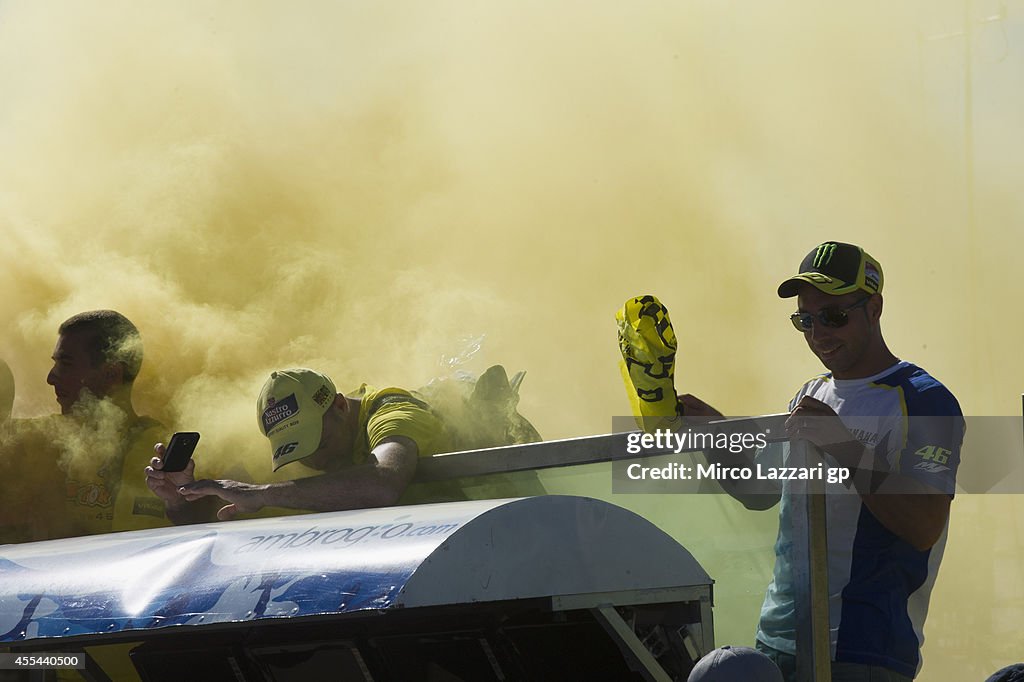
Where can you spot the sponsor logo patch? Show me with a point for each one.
(279, 411)
(322, 395)
(871, 275)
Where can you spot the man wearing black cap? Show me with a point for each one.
(899, 432)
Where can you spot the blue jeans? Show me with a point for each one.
(841, 672)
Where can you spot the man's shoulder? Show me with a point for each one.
(394, 406)
(922, 393)
(145, 429)
(389, 412)
(138, 440)
(383, 403)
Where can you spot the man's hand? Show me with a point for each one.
(242, 498)
(695, 407)
(165, 484)
(816, 422)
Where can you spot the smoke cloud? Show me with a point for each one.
(359, 188)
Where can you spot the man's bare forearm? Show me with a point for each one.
(909, 509)
(357, 487)
(918, 519)
(378, 483)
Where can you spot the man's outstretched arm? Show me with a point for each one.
(379, 482)
(752, 493)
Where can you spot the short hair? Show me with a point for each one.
(112, 338)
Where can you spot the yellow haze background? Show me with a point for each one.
(364, 187)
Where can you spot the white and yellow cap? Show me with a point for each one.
(290, 412)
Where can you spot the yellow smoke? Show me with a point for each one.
(357, 187)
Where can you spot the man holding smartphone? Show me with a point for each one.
(363, 446)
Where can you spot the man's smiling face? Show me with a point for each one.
(848, 350)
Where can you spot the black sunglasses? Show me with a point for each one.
(829, 316)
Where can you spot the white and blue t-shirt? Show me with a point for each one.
(879, 584)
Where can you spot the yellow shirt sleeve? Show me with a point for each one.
(411, 421)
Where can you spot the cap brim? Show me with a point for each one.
(304, 440)
(823, 283)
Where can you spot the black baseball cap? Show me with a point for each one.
(836, 268)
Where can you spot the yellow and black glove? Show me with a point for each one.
(648, 345)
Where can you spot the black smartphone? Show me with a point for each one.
(179, 450)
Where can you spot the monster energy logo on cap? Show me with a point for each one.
(823, 254)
